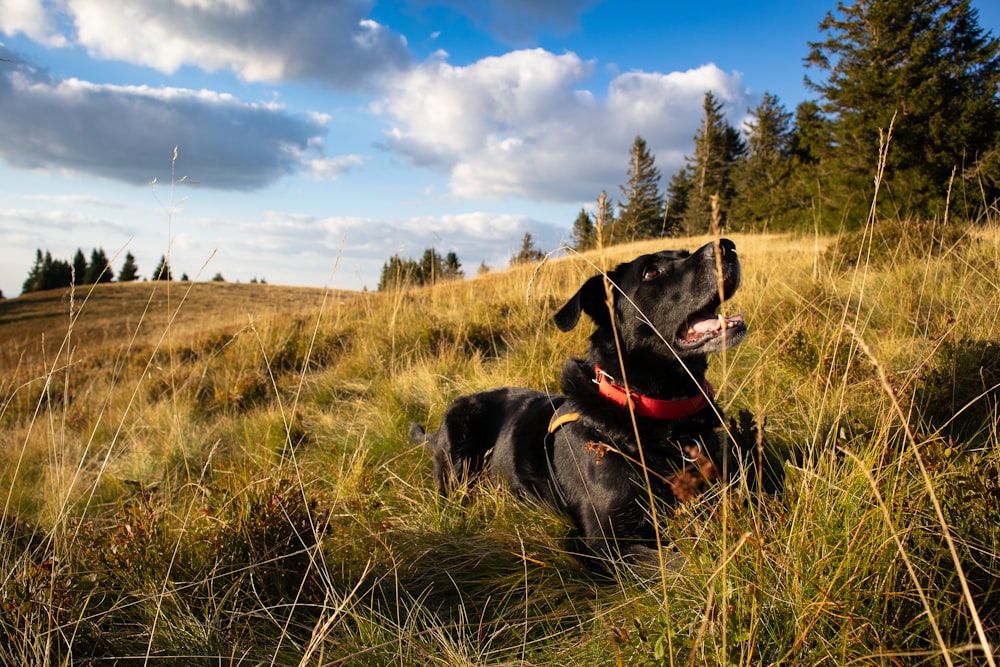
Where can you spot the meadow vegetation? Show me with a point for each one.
(238, 486)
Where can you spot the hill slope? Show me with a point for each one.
(245, 492)
(33, 326)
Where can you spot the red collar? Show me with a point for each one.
(656, 408)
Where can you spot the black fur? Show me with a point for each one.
(589, 467)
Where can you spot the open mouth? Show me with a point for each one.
(708, 331)
(705, 326)
(705, 329)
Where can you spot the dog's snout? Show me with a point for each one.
(725, 246)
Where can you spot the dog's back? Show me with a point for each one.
(509, 425)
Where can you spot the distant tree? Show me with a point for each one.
(452, 267)
(484, 268)
(162, 270)
(607, 227)
(34, 280)
(676, 201)
(217, 278)
(431, 267)
(79, 268)
(47, 273)
(928, 64)
(717, 147)
(398, 272)
(99, 269)
(528, 251)
(761, 178)
(129, 271)
(640, 213)
(57, 273)
(812, 134)
(184, 277)
(584, 232)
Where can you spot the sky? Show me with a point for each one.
(304, 142)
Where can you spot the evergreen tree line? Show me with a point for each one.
(429, 269)
(920, 75)
(48, 273)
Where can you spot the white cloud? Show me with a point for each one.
(29, 18)
(519, 125)
(128, 133)
(333, 42)
(331, 168)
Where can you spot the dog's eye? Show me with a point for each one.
(650, 272)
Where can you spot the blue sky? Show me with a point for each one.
(315, 139)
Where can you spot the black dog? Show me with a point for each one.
(587, 452)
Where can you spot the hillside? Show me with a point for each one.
(34, 326)
(244, 491)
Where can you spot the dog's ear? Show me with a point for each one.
(591, 299)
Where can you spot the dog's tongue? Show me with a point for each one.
(710, 324)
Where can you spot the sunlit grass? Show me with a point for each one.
(244, 491)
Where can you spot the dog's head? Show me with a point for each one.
(669, 296)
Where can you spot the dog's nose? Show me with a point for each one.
(726, 247)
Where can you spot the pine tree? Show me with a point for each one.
(79, 268)
(452, 266)
(528, 251)
(162, 270)
(812, 134)
(641, 211)
(129, 271)
(431, 267)
(99, 270)
(717, 147)
(607, 228)
(677, 199)
(395, 273)
(398, 272)
(56, 273)
(47, 273)
(33, 282)
(584, 232)
(762, 177)
(928, 65)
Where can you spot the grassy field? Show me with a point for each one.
(225, 477)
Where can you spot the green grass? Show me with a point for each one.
(242, 490)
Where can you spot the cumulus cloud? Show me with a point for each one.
(520, 125)
(333, 42)
(128, 133)
(29, 17)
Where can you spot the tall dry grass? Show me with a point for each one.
(244, 492)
